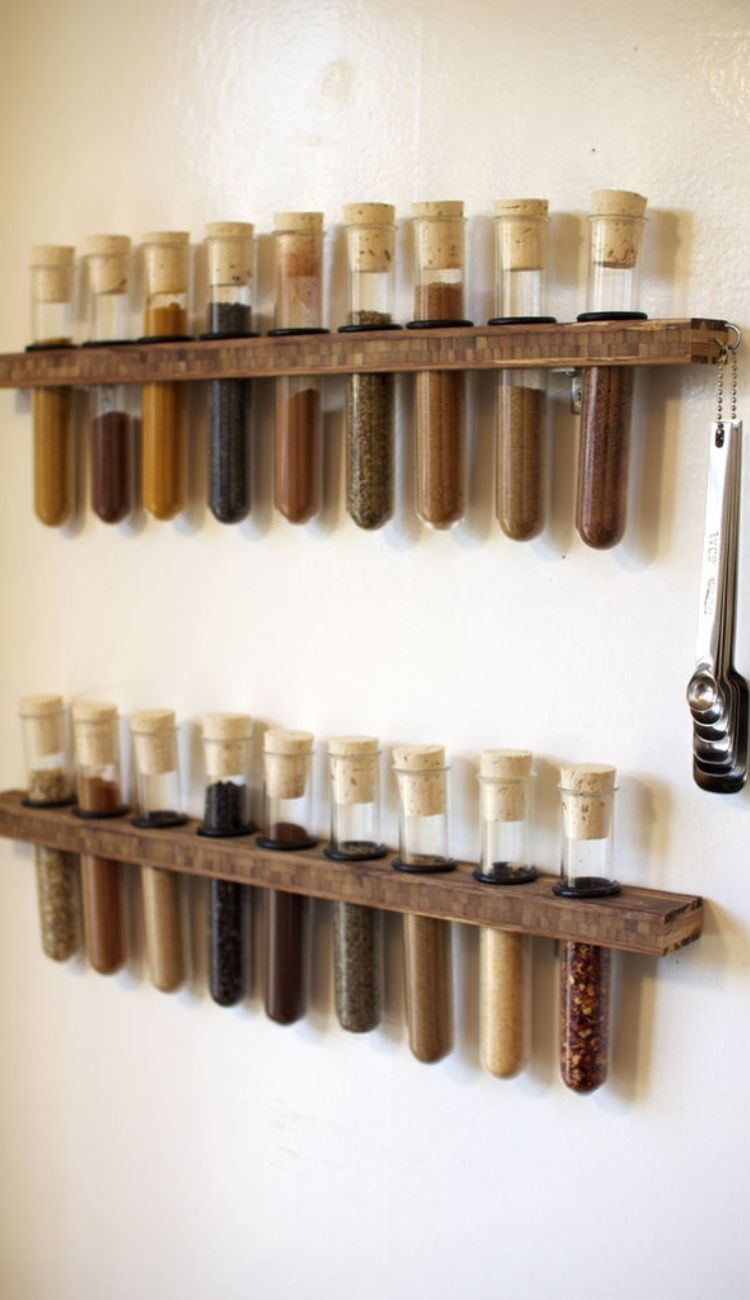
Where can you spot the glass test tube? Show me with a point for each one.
(504, 956)
(166, 269)
(226, 748)
(51, 326)
(617, 224)
(159, 805)
(521, 263)
(108, 259)
(355, 837)
(48, 784)
(370, 236)
(423, 847)
(287, 795)
(439, 394)
(230, 277)
(99, 791)
(587, 793)
(299, 307)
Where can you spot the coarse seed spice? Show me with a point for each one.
(584, 1015)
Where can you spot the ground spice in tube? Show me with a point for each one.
(164, 408)
(369, 440)
(584, 1015)
(604, 454)
(298, 449)
(108, 258)
(110, 466)
(440, 419)
(99, 792)
(53, 455)
(356, 937)
(284, 983)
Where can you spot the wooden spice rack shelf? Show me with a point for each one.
(637, 920)
(622, 343)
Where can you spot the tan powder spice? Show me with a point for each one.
(520, 460)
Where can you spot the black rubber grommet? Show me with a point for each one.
(439, 324)
(588, 887)
(369, 853)
(108, 343)
(49, 347)
(612, 315)
(504, 874)
(448, 865)
(165, 338)
(368, 329)
(158, 821)
(219, 334)
(248, 828)
(48, 803)
(522, 320)
(100, 816)
(264, 843)
(281, 333)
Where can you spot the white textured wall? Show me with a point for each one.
(158, 1146)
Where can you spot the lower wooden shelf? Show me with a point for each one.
(637, 920)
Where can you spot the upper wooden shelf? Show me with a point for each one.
(629, 343)
(637, 920)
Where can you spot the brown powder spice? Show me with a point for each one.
(520, 460)
(298, 452)
(603, 457)
(440, 418)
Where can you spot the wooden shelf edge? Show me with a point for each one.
(637, 920)
(690, 341)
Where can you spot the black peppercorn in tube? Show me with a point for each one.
(230, 273)
(370, 233)
(286, 816)
(48, 783)
(423, 847)
(100, 795)
(108, 258)
(617, 223)
(51, 326)
(226, 739)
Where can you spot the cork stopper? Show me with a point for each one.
(286, 762)
(155, 739)
(521, 234)
(586, 791)
(354, 768)
(420, 772)
(52, 265)
(44, 723)
(95, 730)
(230, 252)
(301, 223)
(617, 226)
(504, 776)
(370, 235)
(165, 255)
(225, 737)
(439, 235)
(109, 262)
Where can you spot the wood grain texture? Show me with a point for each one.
(626, 343)
(637, 920)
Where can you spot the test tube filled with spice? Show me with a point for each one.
(355, 837)
(166, 272)
(108, 259)
(287, 795)
(521, 261)
(504, 956)
(617, 223)
(51, 327)
(99, 789)
(439, 394)
(423, 848)
(48, 785)
(229, 245)
(587, 792)
(370, 237)
(226, 748)
(299, 310)
(159, 805)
